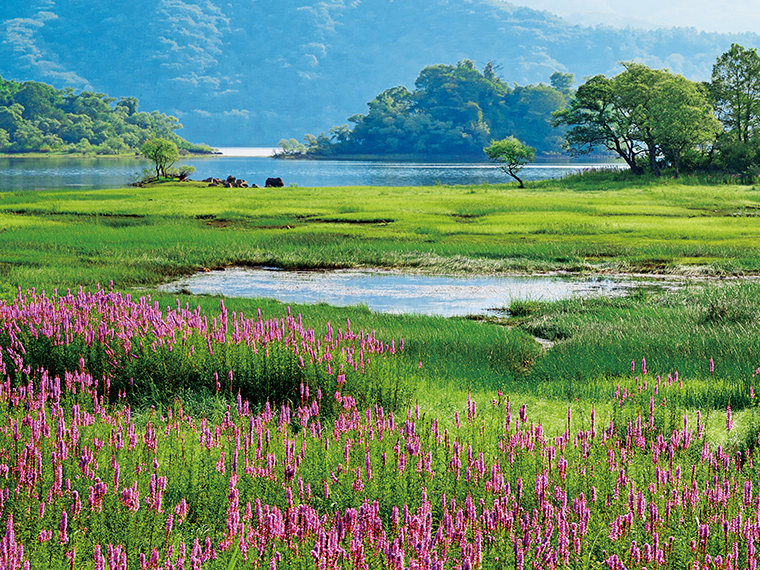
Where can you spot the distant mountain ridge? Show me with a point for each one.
(250, 72)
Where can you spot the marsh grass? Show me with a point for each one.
(588, 222)
(597, 338)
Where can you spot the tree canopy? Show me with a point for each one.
(35, 117)
(652, 118)
(162, 152)
(454, 110)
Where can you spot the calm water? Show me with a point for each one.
(394, 292)
(255, 166)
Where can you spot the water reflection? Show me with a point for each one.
(394, 292)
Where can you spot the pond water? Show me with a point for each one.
(256, 165)
(396, 292)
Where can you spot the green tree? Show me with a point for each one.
(292, 147)
(681, 118)
(11, 117)
(637, 90)
(162, 152)
(597, 119)
(736, 87)
(39, 100)
(641, 112)
(28, 138)
(562, 82)
(511, 155)
(129, 104)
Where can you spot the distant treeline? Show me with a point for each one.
(454, 110)
(35, 117)
(650, 118)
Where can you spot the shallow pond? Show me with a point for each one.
(396, 292)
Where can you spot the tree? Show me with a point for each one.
(511, 155)
(736, 88)
(292, 147)
(641, 112)
(597, 119)
(162, 152)
(636, 91)
(562, 82)
(681, 118)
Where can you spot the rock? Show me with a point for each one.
(274, 183)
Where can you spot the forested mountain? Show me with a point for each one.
(250, 72)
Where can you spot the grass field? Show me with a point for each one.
(628, 443)
(593, 222)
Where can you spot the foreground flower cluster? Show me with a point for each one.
(134, 347)
(88, 483)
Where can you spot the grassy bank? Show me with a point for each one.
(594, 222)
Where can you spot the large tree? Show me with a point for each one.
(637, 90)
(736, 88)
(640, 113)
(596, 119)
(681, 118)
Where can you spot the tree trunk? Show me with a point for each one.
(652, 150)
(653, 163)
(630, 159)
(513, 175)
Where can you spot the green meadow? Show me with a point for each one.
(597, 222)
(639, 411)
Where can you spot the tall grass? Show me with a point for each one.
(709, 333)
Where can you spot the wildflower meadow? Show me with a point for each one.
(335, 467)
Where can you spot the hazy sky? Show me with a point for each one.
(711, 16)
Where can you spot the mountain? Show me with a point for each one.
(250, 72)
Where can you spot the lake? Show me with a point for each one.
(255, 165)
(397, 292)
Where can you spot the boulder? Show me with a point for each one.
(274, 183)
